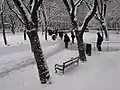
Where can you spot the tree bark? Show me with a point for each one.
(30, 19)
(104, 28)
(12, 28)
(46, 32)
(39, 57)
(42, 28)
(25, 34)
(79, 33)
(3, 27)
(45, 21)
(80, 44)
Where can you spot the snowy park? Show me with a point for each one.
(18, 69)
(59, 44)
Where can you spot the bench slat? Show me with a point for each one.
(70, 63)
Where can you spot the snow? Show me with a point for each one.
(28, 14)
(76, 6)
(32, 5)
(88, 14)
(78, 2)
(18, 70)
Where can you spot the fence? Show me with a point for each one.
(109, 45)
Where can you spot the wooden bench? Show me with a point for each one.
(66, 64)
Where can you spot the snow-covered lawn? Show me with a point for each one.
(18, 69)
(101, 72)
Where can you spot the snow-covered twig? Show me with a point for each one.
(67, 6)
(89, 7)
(78, 2)
(89, 17)
(17, 14)
(24, 9)
(1, 7)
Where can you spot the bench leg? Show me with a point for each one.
(63, 70)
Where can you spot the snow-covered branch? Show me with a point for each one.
(72, 3)
(67, 6)
(101, 8)
(105, 5)
(78, 3)
(89, 5)
(26, 16)
(1, 7)
(89, 17)
(17, 14)
(32, 5)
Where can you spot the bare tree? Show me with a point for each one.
(79, 31)
(29, 17)
(100, 14)
(2, 21)
(45, 20)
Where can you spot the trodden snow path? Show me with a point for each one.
(98, 73)
(20, 55)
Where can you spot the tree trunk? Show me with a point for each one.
(3, 26)
(81, 48)
(42, 28)
(45, 21)
(104, 28)
(46, 32)
(80, 44)
(25, 34)
(13, 28)
(39, 57)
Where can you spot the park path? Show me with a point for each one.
(17, 57)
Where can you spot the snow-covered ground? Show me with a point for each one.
(18, 69)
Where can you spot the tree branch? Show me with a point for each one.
(72, 4)
(67, 5)
(89, 7)
(39, 2)
(101, 9)
(105, 7)
(27, 8)
(21, 10)
(89, 16)
(78, 3)
(15, 12)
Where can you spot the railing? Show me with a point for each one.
(104, 42)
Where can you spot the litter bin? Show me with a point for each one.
(88, 49)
